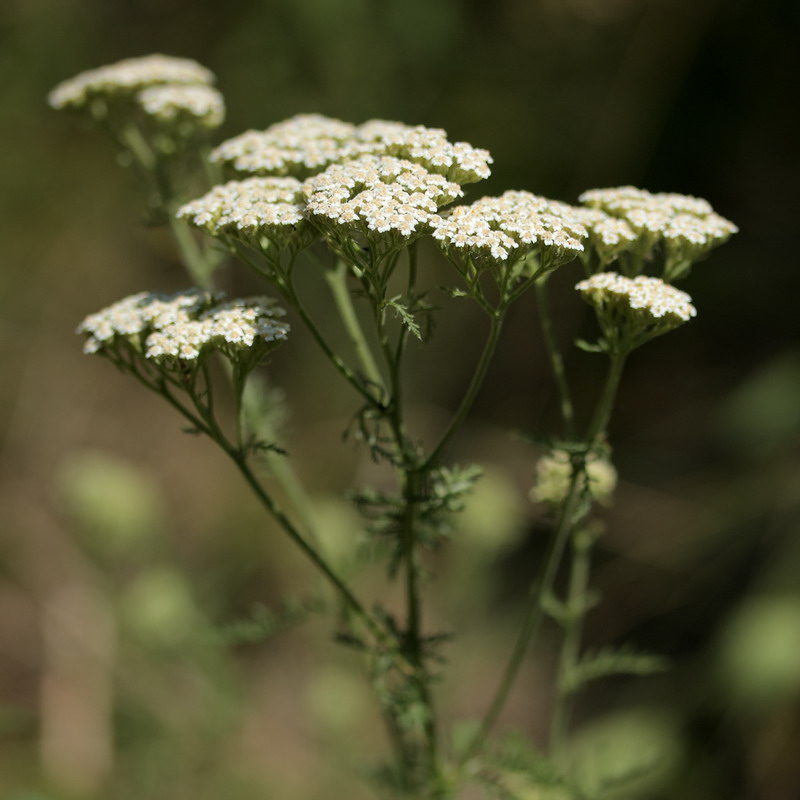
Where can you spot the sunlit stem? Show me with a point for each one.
(337, 280)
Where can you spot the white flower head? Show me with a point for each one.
(459, 162)
(238, 327)
(554, 474)
(609, 236)
(686, 227)
(386, 200)
(510, 228)
(633, 310)
(175, 103)
(300, 146)
(253, 210)
(177, 329)
(126, 78)
(306, 144)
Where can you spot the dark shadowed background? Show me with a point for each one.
(128, 551)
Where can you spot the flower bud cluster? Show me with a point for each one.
(686, 227)
(633, 310)
(181, 327)
(510, 228)
(251, 209)
(554, 475)
(379, 197)
(306, 144)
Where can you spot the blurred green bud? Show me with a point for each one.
(337, 700)
(493, 518)
(759, 652)
(338, 527)
(554, 472)
(158, 608)
(118, 510)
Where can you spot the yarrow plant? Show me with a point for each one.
(357, 199)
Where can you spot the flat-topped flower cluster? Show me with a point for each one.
(170, 102)
(166, 89)
(649, 295)
(183, 326)
(380, 194)
(308, 143)
(510, 227)
(686, 227)
(255, 206)
(370, 190)
(633, 310)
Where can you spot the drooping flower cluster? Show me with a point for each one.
(554, 474)
(263, 213)
(177, 329)
(383, 200)
(174, 103)
(499, 232)
(127, 78)
(306, 144)
(685, 227)
(633, 310)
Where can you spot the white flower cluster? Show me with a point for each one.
(307, 143)
(230, 327)
(378, 194)
(554, 474)
(172, 102)
(181, 326)
(649, 296)
(608, 236)
(128, 77)
(510, 227)
(459, 162)
(255, 206)
(688, 226)
(302, 145)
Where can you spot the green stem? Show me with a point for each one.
(337, 280)
(556, 359)
(605, 405)
(475, 384)
(357, 383)
(533, 616)
(570, 646)
(414, 616)
(196, 260)
(319, 562)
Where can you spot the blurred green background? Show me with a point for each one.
(129, 554)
